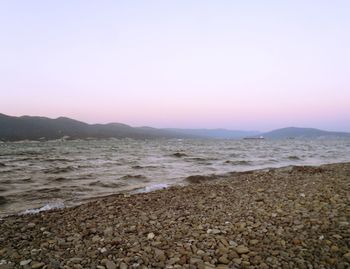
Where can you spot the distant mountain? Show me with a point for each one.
(295, 132)
(215, 133)
(42, 128)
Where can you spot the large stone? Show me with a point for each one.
(123, 265)
(25, 262)
(37, 265)
(241, 249)
(111, 265)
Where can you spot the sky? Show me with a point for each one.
(249, 65)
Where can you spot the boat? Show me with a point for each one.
(254, 138)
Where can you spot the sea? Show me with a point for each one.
(37, 176)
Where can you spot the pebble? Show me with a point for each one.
(347, 256)
(25, 262)
(111, 265)
(123, 265)
(37, 265)
(241, 249)
(150, 236)
(31, 225)
(214, 224)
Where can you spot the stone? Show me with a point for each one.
(96, 239)
(237, 261)
(111, 265)
(31, 225)
(123, 265)
(241, 249)
(150, 236)
(159, 254)
(347, 256)
(37, 265)
(25, 262)
(75, 260)
(253, 242)
(223, 259)
(108, 231)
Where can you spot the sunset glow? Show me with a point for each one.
(255, 65)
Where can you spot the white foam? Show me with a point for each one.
(155, 187)
(47, 207)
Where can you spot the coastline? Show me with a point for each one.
(290, 217)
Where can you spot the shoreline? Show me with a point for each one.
(196, 178)
(289, 217)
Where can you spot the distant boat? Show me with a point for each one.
(254, 138)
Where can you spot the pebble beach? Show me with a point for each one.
(291, 217)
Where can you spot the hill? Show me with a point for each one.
(296, 132)
(42, 128)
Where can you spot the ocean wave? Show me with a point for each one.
(293, 157)
(179, 154)
(154, 187)
(59, 170)
(140, 177)
(198, 179)
(60, 179)
(3, 200)
(107, 184)
(50, 206)
(239, 162)
(58, 160)
(136, 167)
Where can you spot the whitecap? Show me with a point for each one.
(46, 207)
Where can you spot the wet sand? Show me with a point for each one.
(294, 217)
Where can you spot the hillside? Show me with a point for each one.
(295, 132)
(42, 128)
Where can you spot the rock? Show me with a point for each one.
(223, 259)
(179, 154)
(150, 236)
(263, 266)
(347, 256)
(111, 265)
(233, 243)
(123, 265)
(237, 261)
(75, 260)
(96, 239)
(25, 262)
(31, 225)
(108, 231)
(213, 231)
(241, 249)
(159, 254)
(37, 265)
(253, 242)
(194, 260)
(55, 264)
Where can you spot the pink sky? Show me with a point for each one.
(179, 64)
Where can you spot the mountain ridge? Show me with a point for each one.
(302, 132)
(43, 128)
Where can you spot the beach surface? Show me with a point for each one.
(292, 217)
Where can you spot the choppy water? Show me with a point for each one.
(35, 174)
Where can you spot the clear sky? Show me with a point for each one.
(234, 64)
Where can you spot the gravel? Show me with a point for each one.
(294, 217)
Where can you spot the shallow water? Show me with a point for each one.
(56, 173)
